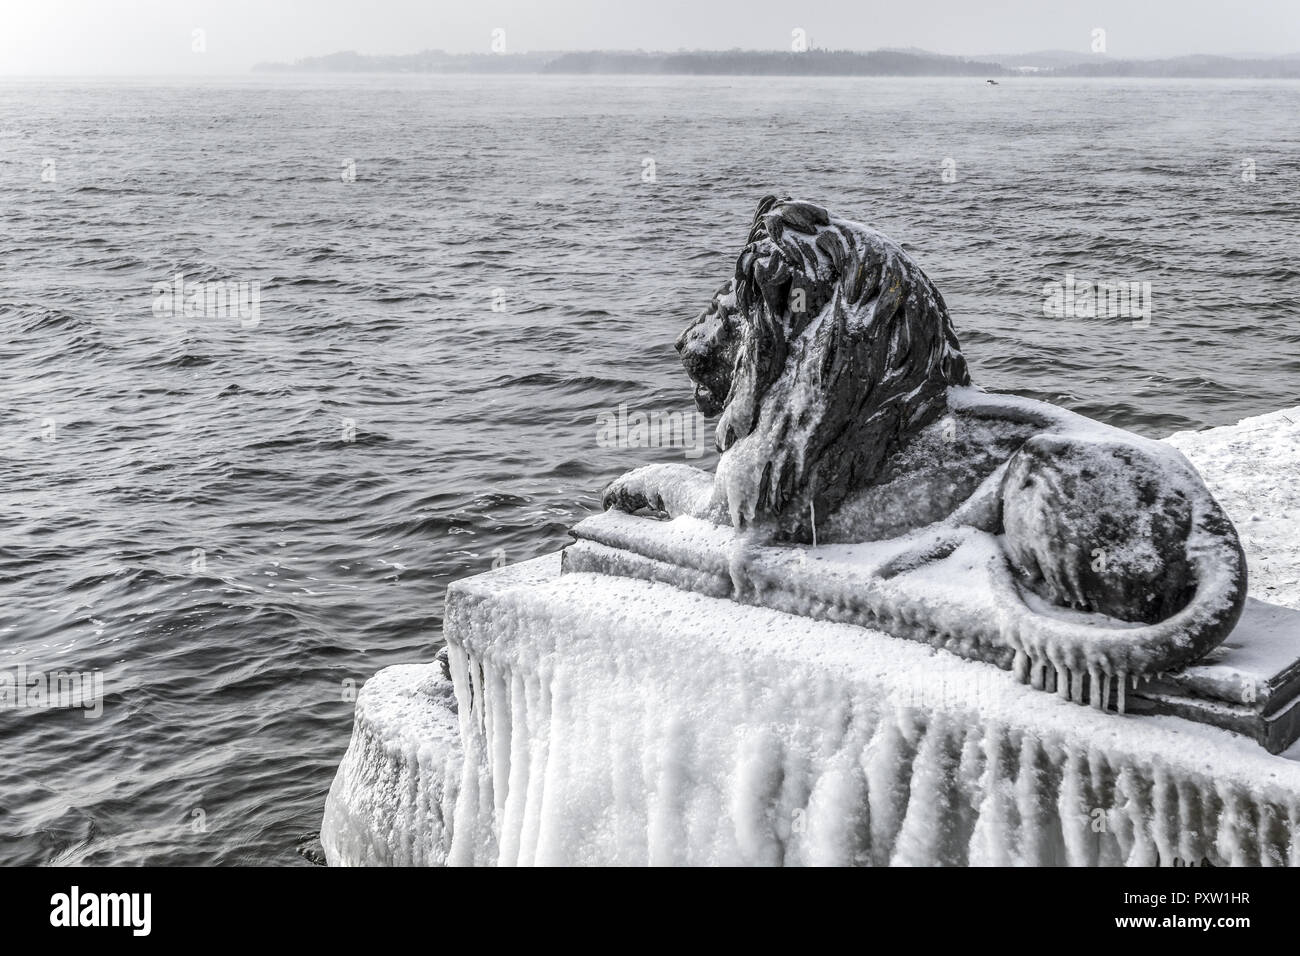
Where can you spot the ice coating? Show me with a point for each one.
(847, 415)
(1251, 469)
(956, 582)
(756, 738)
(619, 721)
(394, 798)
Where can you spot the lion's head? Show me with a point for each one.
(824, 354)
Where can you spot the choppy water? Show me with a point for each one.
(184, 512)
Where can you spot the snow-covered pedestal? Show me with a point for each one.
(600, 719)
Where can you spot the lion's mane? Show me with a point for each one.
(843, 350)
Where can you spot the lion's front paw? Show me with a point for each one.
(629, 493)
(619, 496)
(671, 489)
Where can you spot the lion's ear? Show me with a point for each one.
(756, 227)
(802, 216)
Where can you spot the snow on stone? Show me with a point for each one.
(605, 720)
(1253, 469)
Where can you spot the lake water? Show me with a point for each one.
(234, 524)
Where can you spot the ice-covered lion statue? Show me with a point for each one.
(847, 414)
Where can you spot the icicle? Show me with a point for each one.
(1021, 667)
(812, 518)
(1076, 686)
(1105, 691)
(1123, 686)
(1094, 689)
(1063, 681)
(1039, 676)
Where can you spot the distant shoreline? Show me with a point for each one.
(895, 63)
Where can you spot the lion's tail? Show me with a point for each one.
(1096, 664)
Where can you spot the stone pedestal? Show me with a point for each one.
(597, 719)
(1249, 684)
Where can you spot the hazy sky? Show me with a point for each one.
(156, 36)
